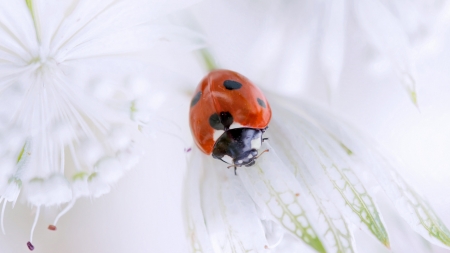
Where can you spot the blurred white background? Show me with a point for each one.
(279, 46)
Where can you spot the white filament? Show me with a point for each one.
(3, 213)
(35, 222)
(64, 211)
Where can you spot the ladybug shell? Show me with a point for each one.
(225, 100)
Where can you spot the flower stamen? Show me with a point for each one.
(29, 244)
(3, 213)
(64, 211)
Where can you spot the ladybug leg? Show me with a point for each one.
(235, 168)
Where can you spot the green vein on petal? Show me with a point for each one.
(278, 196)
(303, 231)
(413, 96)
(371, 219)
(431, 222)
(194, 242)
(30, 5)
(19, 157)
(35, 21)
(22, 160)
(424, 218)
(342, 240)
(208, 59)
(320, 151)
(347, 150)
(409, 84)
(359, 201)
(341, 237)
(408, 203)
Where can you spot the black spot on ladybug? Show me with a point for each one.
(232, 85)
(221, 121)
(196, 98)
(214, 122)
(261, 103)
(226, 119)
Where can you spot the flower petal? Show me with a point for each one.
(331, 224)
(385, 32)
(195, 223)
(410, 205)
(275, 190)
(332, 48)
(17, 32)
(325, 160)
(230, 214)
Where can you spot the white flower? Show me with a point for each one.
(319, 178)
(151, 194)
(313, 185)
(313, 43)
(68, 123)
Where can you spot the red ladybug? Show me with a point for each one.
(228, 117)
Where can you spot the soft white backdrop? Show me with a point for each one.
(143, 212)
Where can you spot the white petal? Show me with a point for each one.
(332, 48)
(274, 189)
(197, 233)
(387, 35)
(12, 191)
(325, 160)
(54, 190)
(230, 215)
(97, 186)
(109, 170)
(17, 32)
(274, 233)
(80, 187)
(413, 208)
(330, 223)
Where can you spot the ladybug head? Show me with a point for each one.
(239, 146)
(250, 162)
(246, 159)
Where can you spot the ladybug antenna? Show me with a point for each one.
(261, 153)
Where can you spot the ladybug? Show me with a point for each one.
(228, 117)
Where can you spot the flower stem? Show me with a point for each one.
(33, 16)
(208, 59)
